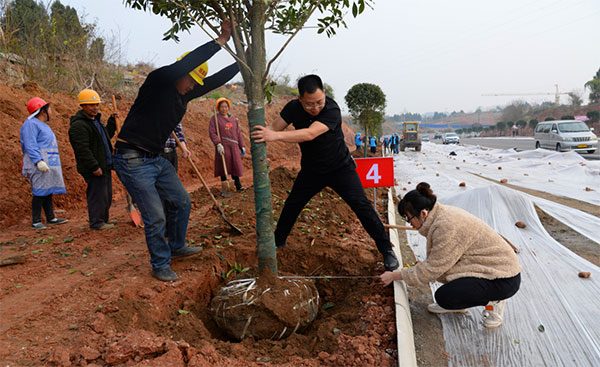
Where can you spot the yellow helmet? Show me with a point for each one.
(88, 96)
(199, 73)
(223, 99)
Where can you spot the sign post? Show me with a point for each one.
(375, 172)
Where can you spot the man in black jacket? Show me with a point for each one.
(326, 161)
(149, 178)
(90, 140)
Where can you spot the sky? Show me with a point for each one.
(426, 55)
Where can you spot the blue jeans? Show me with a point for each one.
(151, 181)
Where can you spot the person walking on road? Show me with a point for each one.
(41, 162)
(477, 266)
(326, 161)
(373, 144)
(358, 141)
(90, 140)
(149, 178)
(228, 142)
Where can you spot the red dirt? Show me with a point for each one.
(86, 298)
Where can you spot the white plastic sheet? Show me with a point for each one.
(554, 320)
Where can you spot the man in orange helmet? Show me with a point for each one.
(150, 179)
(90, 140)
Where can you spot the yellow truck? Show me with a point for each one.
(410, 136)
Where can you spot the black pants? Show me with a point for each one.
(344, 182)
(39, 202)
(171, 157)
(99, 198)
(469, 292)
(236, 180)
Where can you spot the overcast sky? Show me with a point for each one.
(426, 55)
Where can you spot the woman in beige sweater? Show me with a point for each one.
(476, 265)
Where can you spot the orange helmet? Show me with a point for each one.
(88, 96)
(223, 99)
(35, 105)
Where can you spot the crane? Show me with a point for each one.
(555, 94)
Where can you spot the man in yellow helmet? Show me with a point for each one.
(90, 140)
(149, 178)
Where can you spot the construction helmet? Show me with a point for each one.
(199, 73)
(88, 96)
(222, 100)
(34, 106)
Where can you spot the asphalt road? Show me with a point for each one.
(524, 143)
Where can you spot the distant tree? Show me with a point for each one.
(97, 49)
(366, 103)
(533, 123)
(549, 119)
(459, 131)
(576, 99)
(567, 117)
(510, 124)
(501, 126)
(594, 116)
(521, 124)
(491, 127)
(329, 91)
(594, 87)
(515, 111)
(27, 20)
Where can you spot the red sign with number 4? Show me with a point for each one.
(375, 172)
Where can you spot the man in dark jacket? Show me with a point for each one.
(90, 140)
(149, 178)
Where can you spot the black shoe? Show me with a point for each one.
(185, 251)
(241, 188)
(166, 274)
(390, 262)
(280, 244)
(57, 221)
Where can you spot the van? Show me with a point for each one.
(565, 135)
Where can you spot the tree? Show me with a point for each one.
(515, 111)
(533, 123)
(521, 124)
(594, 116)
(366, 103)
(567, 117)
(549, 119)
(594, 87)
(253, 19)
(501, 126)
(576, 99)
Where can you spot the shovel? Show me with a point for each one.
(133, 213)
(227, 185)
(208, 189)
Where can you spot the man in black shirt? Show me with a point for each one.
(149, 178)
(325, 161)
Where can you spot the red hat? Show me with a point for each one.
(34, 105)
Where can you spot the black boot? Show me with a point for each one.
(390, 262)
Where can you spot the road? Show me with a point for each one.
(524, 143)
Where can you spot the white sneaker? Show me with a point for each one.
(493, 315)
(435, 308)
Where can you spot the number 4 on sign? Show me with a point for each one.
(375, 172)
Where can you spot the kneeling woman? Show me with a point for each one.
(476, 265)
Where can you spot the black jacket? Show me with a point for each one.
(87, 142)
(158, 107)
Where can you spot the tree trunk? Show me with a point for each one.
(267, 254)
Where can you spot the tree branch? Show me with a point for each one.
(210, 35)
(300, 26)
(239, 46)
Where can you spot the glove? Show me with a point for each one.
(243, 151)
(42, 166)
(220, 149)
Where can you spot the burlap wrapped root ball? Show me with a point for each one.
(266, 307)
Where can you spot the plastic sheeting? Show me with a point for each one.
(554, 320)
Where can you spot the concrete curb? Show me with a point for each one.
(407, 356)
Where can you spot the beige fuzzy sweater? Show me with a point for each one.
(461, 245)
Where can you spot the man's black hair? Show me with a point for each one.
(309, 83)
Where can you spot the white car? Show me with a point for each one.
(450, 138)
